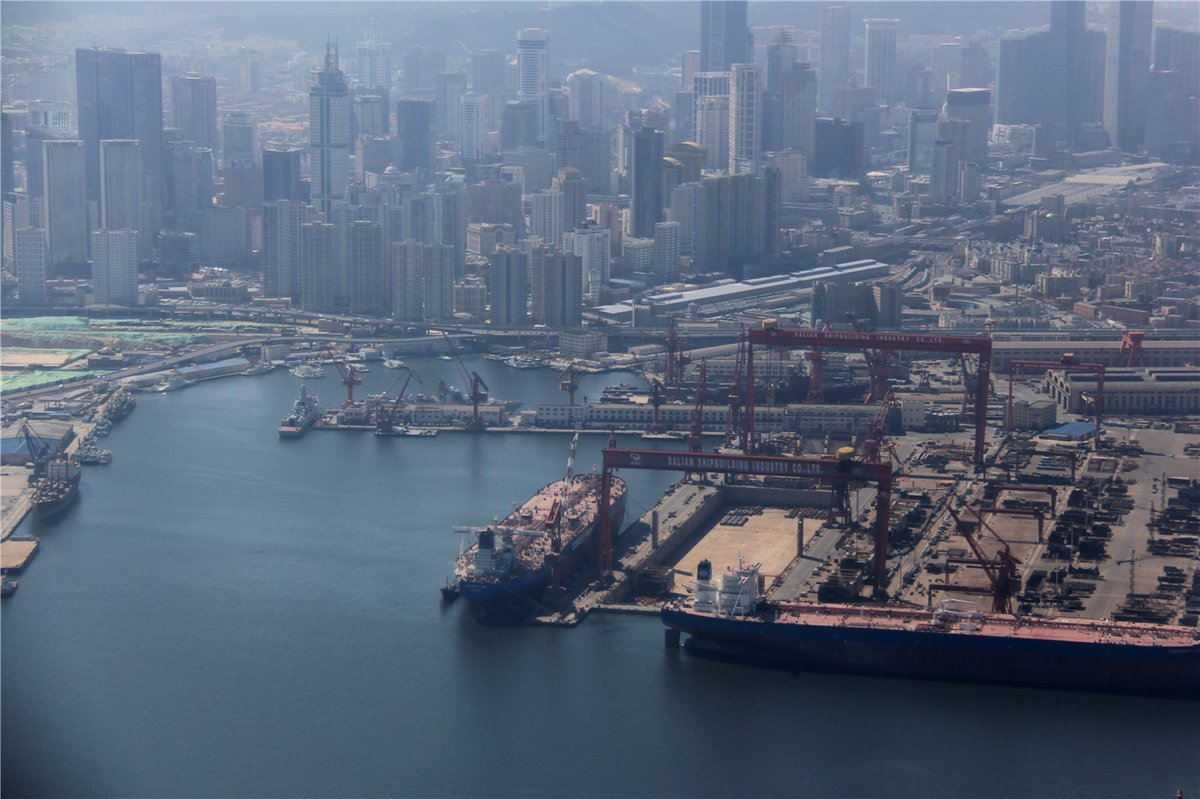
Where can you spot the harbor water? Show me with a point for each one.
(224, 613)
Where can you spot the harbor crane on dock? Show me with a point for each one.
(346, 370)
(569, 383)
(1002, 569)
(385, 421)
(478, 389)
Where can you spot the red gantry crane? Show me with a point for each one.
(1002, 569)
(833, 471)
(346, 370)
(770, 335)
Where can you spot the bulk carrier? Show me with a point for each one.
(727, 617)
(516, 564)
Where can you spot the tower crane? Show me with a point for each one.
(478, 391)
(1132, 560)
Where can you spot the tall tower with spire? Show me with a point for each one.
(329, 133)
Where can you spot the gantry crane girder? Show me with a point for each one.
(1066, 365)
(980, 346)
(832, 470)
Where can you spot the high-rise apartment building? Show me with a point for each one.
(665, 264)
(370, 281)
(282, 220)
(115, 267)
(592, 244)
(423, 281)
(725, 39)
(281, 174)
(532, 66)
(121, 206)
(745, 118)
(556, 287)
(374, 60)
(329, 134)
(449, 87)
(835, 52)
(473, 108)
(29, 257)
(318, 273)
(546, 216)
(1127, 72)
(194, 109)
(508, 288)
(65, 203)
(880, 67)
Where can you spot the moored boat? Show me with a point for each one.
(515, 565)
(726, 617)
(303, 415)
(56, 488)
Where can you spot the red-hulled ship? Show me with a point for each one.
(727, 617)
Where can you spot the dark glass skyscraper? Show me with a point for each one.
(119, 96)
(414, 124)
(1127, 72)
(724, 37)
(647, 203)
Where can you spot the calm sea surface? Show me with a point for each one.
(226, 614)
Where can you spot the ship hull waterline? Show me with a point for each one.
(1080, 666)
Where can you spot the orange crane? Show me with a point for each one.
(694, 442)
(346, 370)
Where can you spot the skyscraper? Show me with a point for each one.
(194, 109)
(65, 214)
(508, 288)
(665, 266)
(798, 109)
(1127, 72)
(487, 70)
(318, 276)
(238, 138)
(880, 67)
(1020, 92)
(414, 125)
(532, 65)
(329, 134)
(725, 39)
(374, 60)
(745, 118)
(121, 190)
(922, 132)
(119, 96)
(546, 216)
(835, 52)
(712, 130)
(588, 92)
(1067, 67)
(592, 245)
(114, 267)
(282, 219)
(449, 87)
(473, 108)
(29, 245)
(369, 282)
(281, 174)
(974, 106)
(646, 200)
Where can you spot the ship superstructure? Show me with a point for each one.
(304, 413)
